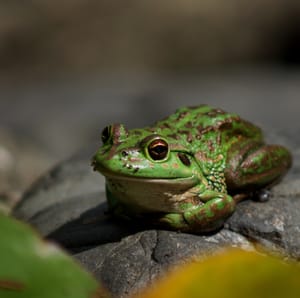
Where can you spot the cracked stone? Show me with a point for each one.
(148, 254)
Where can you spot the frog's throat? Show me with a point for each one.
(150, 195)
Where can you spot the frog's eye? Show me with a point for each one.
(106, 134)
(158, 149)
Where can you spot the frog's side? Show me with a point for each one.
(189, 170)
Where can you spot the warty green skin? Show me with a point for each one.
(214, 160)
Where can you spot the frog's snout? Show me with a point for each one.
(94, 164)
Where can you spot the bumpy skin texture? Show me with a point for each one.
(188, 171)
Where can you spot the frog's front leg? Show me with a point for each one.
(210, 215)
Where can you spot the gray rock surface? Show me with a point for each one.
(68, 205)
(131, 264)
(275, 225)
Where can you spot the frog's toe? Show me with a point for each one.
(174, 221)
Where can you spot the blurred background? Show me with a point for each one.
(69, 68)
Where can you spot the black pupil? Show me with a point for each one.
(158, 149)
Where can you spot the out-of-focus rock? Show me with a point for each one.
(21, 162)
(50, 36)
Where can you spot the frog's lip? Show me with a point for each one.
(187, 181)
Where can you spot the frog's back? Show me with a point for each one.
(207, 129)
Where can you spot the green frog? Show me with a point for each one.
(188, 171)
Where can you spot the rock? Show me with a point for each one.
(68, 205)
(275, 224)
(71, 178)
(134, 262)
(22, 160)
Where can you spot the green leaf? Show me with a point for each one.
(33, 268)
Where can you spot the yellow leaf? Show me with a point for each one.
(234, 273)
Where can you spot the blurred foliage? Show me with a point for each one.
(235, 273)
(45, 36)
(32, 268)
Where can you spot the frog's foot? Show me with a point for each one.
(203, 218)
(261, 195)
(256, 166)
(175, 221)
(211, 215)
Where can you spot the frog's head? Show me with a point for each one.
(142, 153)
(144, 169)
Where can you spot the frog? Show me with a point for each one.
(188, 171)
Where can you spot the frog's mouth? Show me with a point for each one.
(145, 194)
